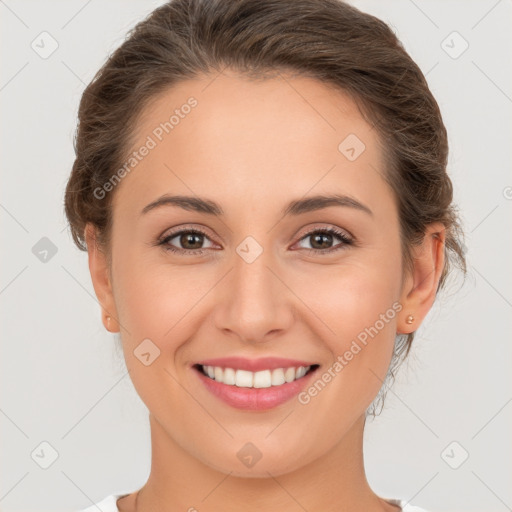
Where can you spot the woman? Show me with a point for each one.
(261, 188)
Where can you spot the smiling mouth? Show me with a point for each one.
(261, 379)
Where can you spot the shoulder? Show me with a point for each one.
(410, 508)
(107, 504)
(405, 506)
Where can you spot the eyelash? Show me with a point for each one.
(198, 252)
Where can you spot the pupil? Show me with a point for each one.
(185, 239)
(322, 236)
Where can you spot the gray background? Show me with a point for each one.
(61, 379)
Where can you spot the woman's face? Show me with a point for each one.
(260, 280)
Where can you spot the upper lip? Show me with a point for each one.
(254, 365)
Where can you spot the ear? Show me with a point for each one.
(100, 275)
(420, 286)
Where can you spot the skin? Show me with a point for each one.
(253, 146)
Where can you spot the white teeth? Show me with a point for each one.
(289, 374)
(218, 373)
(243, 379)
(229, 376)
(301, 371)
(261, 379)
(278, 377)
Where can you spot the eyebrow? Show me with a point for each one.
(296, 207)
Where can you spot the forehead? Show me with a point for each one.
(280, 136)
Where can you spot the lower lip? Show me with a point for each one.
(255, 399)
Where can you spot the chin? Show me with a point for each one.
(275, 465)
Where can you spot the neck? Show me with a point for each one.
(334, 482)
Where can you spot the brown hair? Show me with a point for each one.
(328, 40)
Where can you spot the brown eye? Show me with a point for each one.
(322, 240)
(189, 242)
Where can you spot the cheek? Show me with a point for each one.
(350, 297)
(153, 299)
(347, 307)
(155, 305)
(358, 307)
(338, 301)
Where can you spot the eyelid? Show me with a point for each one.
(173, 233)
(326, 227)
(347, 239)
(185, 228)
(343, 234)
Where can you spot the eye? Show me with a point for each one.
(191, 241)
(322, 238)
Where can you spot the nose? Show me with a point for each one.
(254, 303)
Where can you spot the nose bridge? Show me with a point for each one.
(254, 302)
(252, 281)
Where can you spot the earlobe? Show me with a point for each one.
(419, 291)
(100, 275)
(110, 323)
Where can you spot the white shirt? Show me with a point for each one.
(109, 504)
